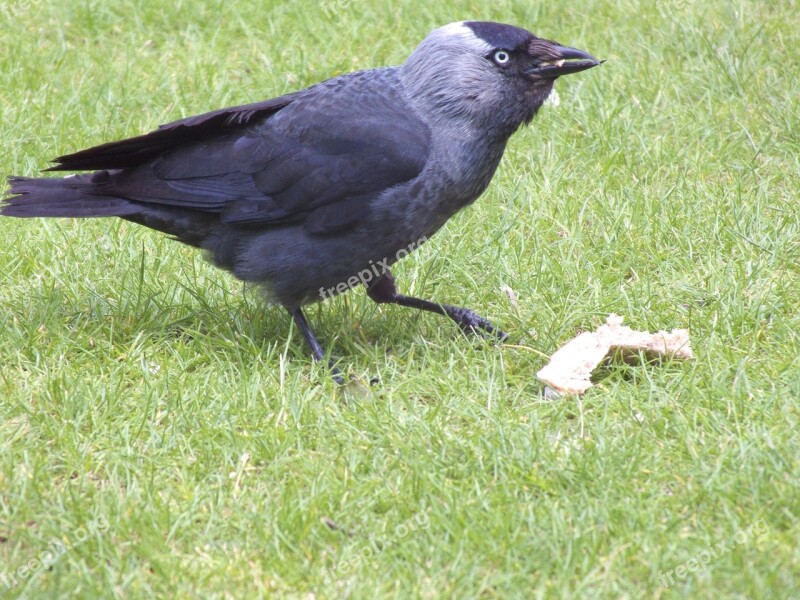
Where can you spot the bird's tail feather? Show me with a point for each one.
(72, 196)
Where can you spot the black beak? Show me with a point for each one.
(570, 60)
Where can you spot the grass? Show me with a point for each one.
(163, 422)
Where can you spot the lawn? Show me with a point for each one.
(165, 433)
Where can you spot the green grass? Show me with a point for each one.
(166, 422)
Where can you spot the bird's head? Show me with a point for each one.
(495, 75)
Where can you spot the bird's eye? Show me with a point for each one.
(501, 57)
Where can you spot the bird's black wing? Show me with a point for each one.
(132, 152)
(318, 159)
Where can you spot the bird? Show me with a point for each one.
(322, 190)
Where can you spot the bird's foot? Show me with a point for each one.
(383, 290)
(336, 374)
(471, 322)
(314, 345)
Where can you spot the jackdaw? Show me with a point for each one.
(322, 189)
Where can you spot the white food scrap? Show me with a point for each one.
(570, 368)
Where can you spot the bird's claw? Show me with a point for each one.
(471, 322)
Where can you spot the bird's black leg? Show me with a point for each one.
(313, 343)
(383, 290)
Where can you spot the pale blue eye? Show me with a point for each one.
(501, 57)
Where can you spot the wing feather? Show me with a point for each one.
(317, 157)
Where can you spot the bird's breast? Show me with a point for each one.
(454, 178)
(465, 168)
